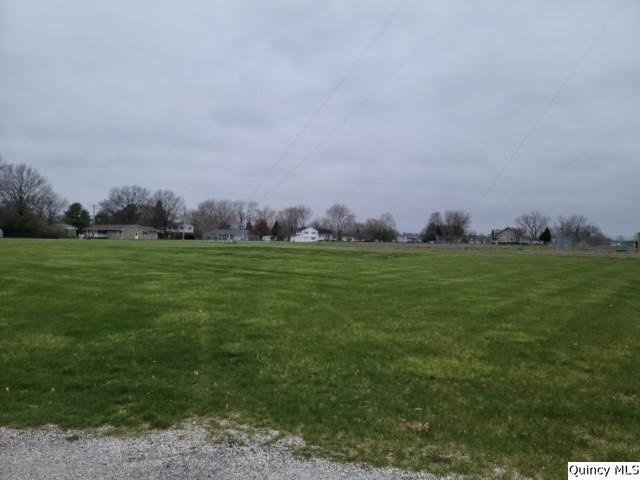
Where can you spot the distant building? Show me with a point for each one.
(186, 230)
(121, 232)
(268, 238)
(409, 238)
(229, 235)
(507, 235)
(306, 235)
(1, 233)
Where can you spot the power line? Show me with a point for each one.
(364, 101)
(549, 104)
(389, 19)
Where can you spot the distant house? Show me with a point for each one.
(186, 230)
(1, 233)
(268, 238)
(228, 235)
(121, 232)
(325, 235)
(306, 235)
(409, 238)
(69, 230)
(507, 235)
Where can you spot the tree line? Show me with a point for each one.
(30, 207)
(454, 227)
(576, 229)
(283, 224)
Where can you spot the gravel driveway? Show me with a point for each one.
(181, 453)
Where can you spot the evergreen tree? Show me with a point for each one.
(545, 236)
(77, 216)
(275, 230)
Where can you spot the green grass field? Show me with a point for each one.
(516, 361)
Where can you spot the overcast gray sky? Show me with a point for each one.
(202, 97)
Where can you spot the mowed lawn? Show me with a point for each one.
(515, 361)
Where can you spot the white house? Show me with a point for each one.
(185, 228)
(228, 235)
(306, 234)
(409, 238)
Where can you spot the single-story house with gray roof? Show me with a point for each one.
(121, 232)
(229, 235)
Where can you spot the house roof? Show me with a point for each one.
(120, 227)
(502, 230)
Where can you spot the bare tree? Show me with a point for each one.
(380, 229)
(579, 230)
(211, 214)
(28, 204)
(456, 225)
(571, 226)
(165, 210)
(533, 224)
(23, 190)
(52, 206)
(245, 213)
(267, 214)
(292, 219)
(339, 218)
(321, 223)
(436, 219)
(387, 220)
(125, 204)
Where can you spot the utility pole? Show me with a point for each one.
(184, 221)
(93, 221)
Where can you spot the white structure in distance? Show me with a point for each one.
(305, 235)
